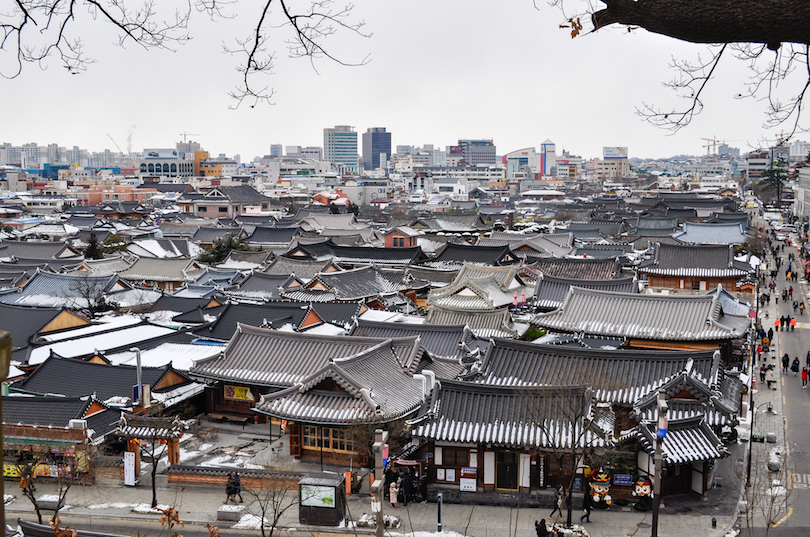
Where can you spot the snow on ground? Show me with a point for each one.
(114, 505)
(250, 522)
(8, 498)
(186, 454)
(146, 508)
(231, 462)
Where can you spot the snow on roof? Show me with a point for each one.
(181, 356)
(108, 340)
(107, 322)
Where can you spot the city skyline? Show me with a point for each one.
(510, 75)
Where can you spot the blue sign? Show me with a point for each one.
(625, 480)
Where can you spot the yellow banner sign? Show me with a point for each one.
(240, 393)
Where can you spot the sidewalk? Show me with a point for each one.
(198, 506)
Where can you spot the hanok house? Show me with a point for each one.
(487, 438)
(673, 322)
(58, 432)
(697, 411)
(694, 267)
(626, 381)
(259, 362)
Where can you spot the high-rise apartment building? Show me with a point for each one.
(376, 148)
(340, 147)
(275, 150)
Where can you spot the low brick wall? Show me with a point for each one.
(218, 477)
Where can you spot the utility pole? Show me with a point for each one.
(378, 487)
(663, 425)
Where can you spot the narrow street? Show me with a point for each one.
(795, 399)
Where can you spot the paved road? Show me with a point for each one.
(795, 405)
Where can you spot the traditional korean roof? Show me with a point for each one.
(305, 270)
(240, 194)
(617, 376)
(269, 315)
(263, 285)
(278, 236)
(382, 257)
(563, 239)
(477, 294)
(369, 387)
(35, 249)
(338, 313)
(535, 242)
(246, 260)
(46, 289)
(179, 269)
(655, 225)
(484, 324)
(23, 323)
(164, 247)
(707, 261)
(262, 357)
(718, 407)
(434, 276)
(180, 304)
(103, 380)
(536, 417)
(456, 255)
(643, 316)
(697, 233)
(44, 411)
(148, 428)
(688, 440)
(550, 291)
(219, 277)
(104, 267)
(454, 223)
(348, 285)
(212, 234)
(582, 269)
(438, 339)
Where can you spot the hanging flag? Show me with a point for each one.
(663, 426)
(523, 297)
(514, 299)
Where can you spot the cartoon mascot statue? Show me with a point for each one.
(643, 490)
(600, 487)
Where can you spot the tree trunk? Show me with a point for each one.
(770, 22)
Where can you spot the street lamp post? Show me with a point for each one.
(770, 411)
(663, 426)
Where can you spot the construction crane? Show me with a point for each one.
(711, 147)
(185, 134)
(115, 144)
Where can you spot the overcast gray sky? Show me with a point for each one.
(438, 71)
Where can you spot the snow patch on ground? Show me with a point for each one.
(250, 522)
(146, 508)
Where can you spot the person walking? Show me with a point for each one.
(795, 366)
(762, 370)
(559, 494)
(804, 378)
(793, 324)
(587, 505)
(807, 360)
(770, 338)
(237, 487)
(785, 363)
(393, 491)
(230, 489)
(769, 380)
(776, 324)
